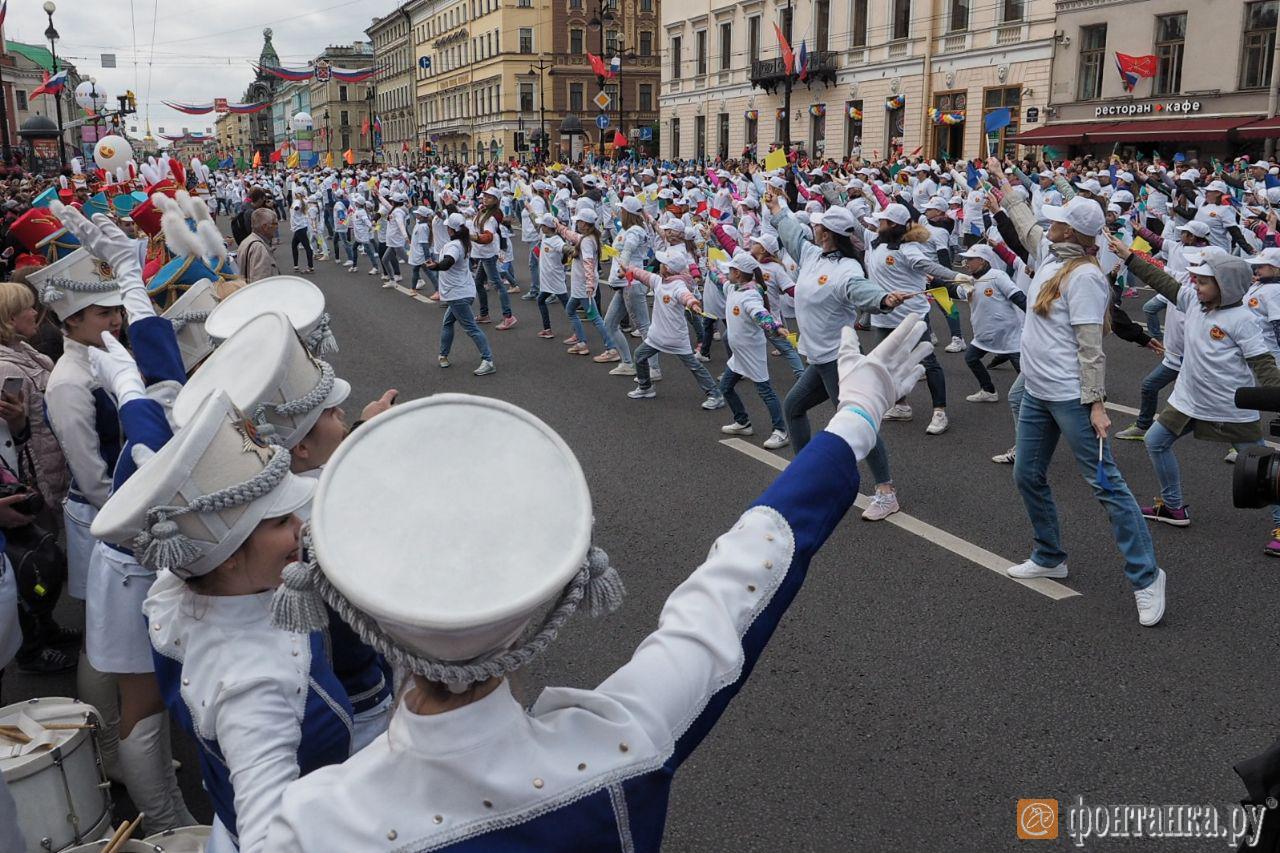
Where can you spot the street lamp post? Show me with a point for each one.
(605, 16)
(52, 35)
(328, 136)
(542, 66)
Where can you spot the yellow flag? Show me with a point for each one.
(776, 159)
(607, 253)
(1140, 245)
(556, 167)
(519, 193)
(941, 296)
(717, 255)
(292, 162)
(794, 337)
(328, 160)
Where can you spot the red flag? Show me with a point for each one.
(619, 141)
(598, 66)
(275, 157)
(404, 146)
(1133, 68)
(788, 57)
(364, 127)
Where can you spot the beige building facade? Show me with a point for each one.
(394, 91)
(1213, 66)
(232, 131)
(877, 70)
(339, 110)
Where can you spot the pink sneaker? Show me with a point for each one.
(1273, 547)
(547, 334)
(507, 323)
(1167, 515)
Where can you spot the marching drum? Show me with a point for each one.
(50, 760)
(129, 846)
(186, 839)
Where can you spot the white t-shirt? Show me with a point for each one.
(397, 228)
(1219, 217)
(421, 241)
(745, 335)
(777, 280)
(997, 324)
(490, 250)
(551, 265)
(456, 282)
(587, 251)
(668, 331)
(1049, 362)
(1264, 301)
(298, 218)
(1214, 350)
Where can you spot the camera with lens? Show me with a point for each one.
(33, 503)
(1256, 480)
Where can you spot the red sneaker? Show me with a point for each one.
(507, 323)
(546, 334)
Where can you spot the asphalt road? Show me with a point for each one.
(912, 695)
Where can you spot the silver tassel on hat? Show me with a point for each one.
(605, 590)
(321, 340)
(297, 605)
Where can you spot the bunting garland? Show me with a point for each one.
(204, 109)
(817, 110)
(895, 103)
(855, 113)
(937, 116)
(299, 75)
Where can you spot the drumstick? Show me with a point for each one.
(115, 836)
(14, 733)
(65, 727)
(123, 833)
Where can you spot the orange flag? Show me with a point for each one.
(349, 156)
(257, 159)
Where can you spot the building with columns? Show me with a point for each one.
(394, 94)
(339, 109)
(884, 76)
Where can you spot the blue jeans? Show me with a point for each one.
(459, 311)
(533, 272)
(818, 383)
(1159, 441)
(563, 299)
(344, 242)
(369, 250)
(729, 379)
(643, 355)
(585, 303)
(1159, 377)
(488, 273)
(391, 258)
(973, 358)
(1040, 424)
(783, 345)
(1016, 392)
(1153, 308)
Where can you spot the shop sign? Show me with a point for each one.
(1131, 108)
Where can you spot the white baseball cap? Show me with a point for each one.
(769, 242)
(1217, 187)
(673, 258)
(1083, 215)
(983, 252)
(1196, 227)
(837, 220)
(631, 204)
(896, 213)
(1270, 256)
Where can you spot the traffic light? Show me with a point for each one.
(520, 146)
(428, 148)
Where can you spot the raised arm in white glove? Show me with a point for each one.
(105, 241)
(115, 370)
(870, 384)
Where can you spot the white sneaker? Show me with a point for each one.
(636, 333)
(396, 278)
(956, 345)
(938, 425)
(933, 339)
(777, 439)
(388, 284)
(1028, 569)
(623, 369)
(883, 505)
(899, 412)
(1230, 458)
(373, 272)
(1007, 458)
(981, 396)
(1151, 601)
(736, 428)
(700, 357)
(712, 403)
(655, 375)
(486, 367)
(352, 270)
(639, 393)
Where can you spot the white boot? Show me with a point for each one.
(99, 690)
(176, 802)
(146, 762)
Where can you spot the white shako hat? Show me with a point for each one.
(267, 372)
(191, 505)
(423, 581)
(298, 299)
(74, 283)
(188, 314)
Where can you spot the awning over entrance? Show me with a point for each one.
(1059, 134)
(1157, 130)
(1260, 129)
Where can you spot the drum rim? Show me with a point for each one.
(39, 761)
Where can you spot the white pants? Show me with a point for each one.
(115, 631)
(78, 516)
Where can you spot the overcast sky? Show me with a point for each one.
(201, 49)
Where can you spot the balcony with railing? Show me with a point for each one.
(770, 74)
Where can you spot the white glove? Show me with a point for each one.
(963, 279)
(870, 384)
(963, 292)
(105, 241)
(115, 370)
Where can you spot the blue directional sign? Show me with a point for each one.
(602, 121)
(646, 134)
(424, 62)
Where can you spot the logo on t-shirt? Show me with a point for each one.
(990, 291)
(890, 261)
(737, 311)
(1217, 333)
(1213, 214)
(666, 300)
(766, 277)
(822, 279)
(1253, 302)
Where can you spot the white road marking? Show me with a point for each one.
(1116, 407)
(961, 547)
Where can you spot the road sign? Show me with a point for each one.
(646, 134)
(424, 62)
(601, 100)
(602, 121)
